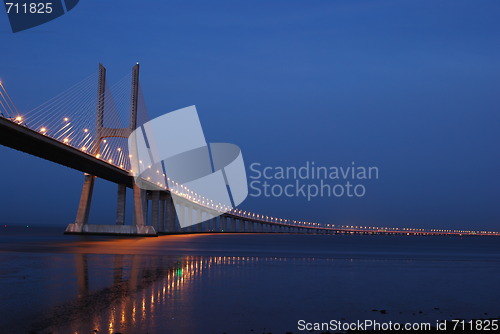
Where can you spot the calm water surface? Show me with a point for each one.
(238, 283)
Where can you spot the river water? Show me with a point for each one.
(238, 283)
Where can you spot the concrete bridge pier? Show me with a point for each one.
(170, 214)
(233, 224)
(82, 215)
(209, 222)
(199, 226)
(164, 213)
(216, 227)
(161, 219)
(82, 226)
(155, 209)
(213, 224)
(180, 214)
(223, 223)
(120, 204)
(219, 224)
(190, 228)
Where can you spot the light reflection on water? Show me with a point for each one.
(142, 293)
(240, 283)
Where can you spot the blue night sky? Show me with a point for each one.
(412, 87)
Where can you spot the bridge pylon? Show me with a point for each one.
(81, 224)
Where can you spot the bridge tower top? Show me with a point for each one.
(103, 132)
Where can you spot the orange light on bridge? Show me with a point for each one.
(66, 119)
(19, 118)
(66, 140)
(43, 130)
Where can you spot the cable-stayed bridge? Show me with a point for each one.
(84, 128)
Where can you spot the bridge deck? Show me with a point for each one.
(32, 142)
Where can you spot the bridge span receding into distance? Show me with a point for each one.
(86, 145)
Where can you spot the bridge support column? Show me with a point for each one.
(223, 223)
(180, 215)
(155, 209)
(198, 218)
(120, 204)
(190, 228)
(213, 224)
(162, 224)
(233, 224)
(208, 223)
(170, 214)
(82, 216)
(189, 218)
(140, 212)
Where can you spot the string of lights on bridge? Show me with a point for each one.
(69, 118)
